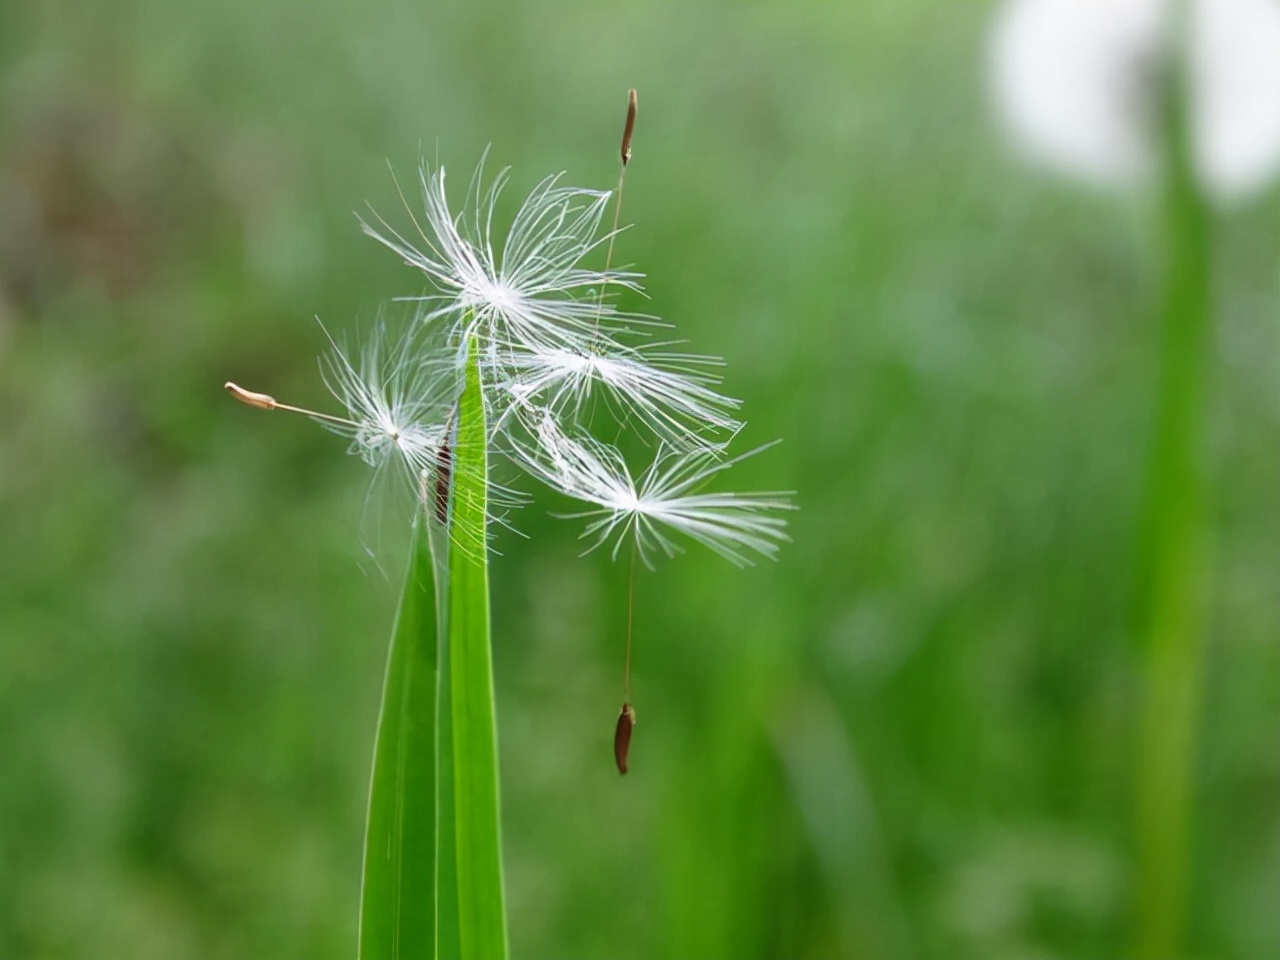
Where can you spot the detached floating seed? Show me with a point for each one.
(622, 736)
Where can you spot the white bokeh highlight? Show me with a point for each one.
(1075, 82)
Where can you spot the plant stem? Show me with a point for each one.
(1173, 564)
(631, 605)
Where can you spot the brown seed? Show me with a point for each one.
(622, 736)
(260, 400)
(444, 475)
(631, 124)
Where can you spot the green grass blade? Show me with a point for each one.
(481, 917)
(448, 942)
(397, 895)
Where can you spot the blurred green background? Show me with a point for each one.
(911, 737)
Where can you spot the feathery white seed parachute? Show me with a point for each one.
(665, 499)
(669, 392)
(398, 397)
(527, 289)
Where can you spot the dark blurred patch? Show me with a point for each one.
(92, 188)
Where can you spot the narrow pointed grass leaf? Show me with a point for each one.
(481, 918)
(448, 938)
(398, 896)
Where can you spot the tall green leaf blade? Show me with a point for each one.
(481, 916)
(448, 942)
(398, 895)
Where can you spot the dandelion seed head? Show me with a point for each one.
(550, 345)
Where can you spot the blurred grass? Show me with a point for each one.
(912, 737)
(1173, 568)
